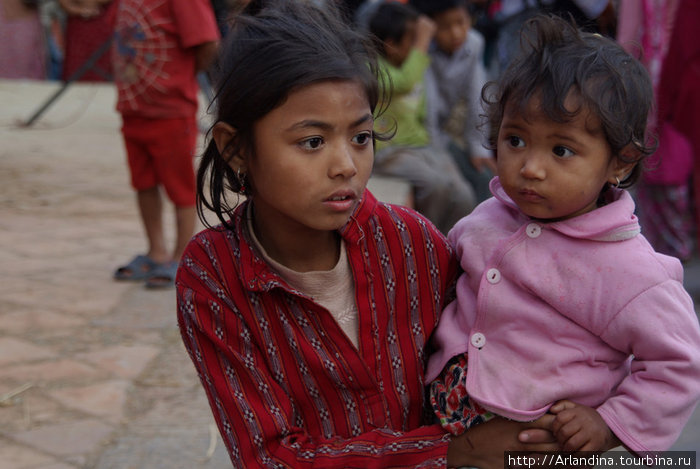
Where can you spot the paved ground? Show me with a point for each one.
(92, 372)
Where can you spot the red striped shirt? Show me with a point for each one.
(285, 384)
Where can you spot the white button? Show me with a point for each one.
(478, 340)
(533, 230)
(493, 276)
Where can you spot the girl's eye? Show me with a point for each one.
(312, 143)
(562, 151)
(363, 138)
(515, 141)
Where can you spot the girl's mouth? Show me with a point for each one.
(341, 201)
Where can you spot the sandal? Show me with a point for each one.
(139, 268)
(163, 276)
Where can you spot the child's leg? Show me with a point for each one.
(163, 276)
(185, 219)
(174, 162)
(148, 199)
(450, 401)
(150, 206)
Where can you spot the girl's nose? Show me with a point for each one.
(343, 161)
(533, 167)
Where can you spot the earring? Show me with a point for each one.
(617, 182)
(241, 181)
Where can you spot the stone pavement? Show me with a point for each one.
(92, 371)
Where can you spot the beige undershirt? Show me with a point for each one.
(333, 289)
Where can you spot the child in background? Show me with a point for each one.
(306, 312)
(22, 47)
(440, 192)
(561, 296)
(159, 47)
(454, 82)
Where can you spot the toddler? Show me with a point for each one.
(561, 296)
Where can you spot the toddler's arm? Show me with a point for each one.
(581, 428)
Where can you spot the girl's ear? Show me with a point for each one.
(224, 135)
(624, 163)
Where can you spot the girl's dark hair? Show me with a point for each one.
(274, 48)
(557, 58)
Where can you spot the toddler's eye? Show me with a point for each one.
(362, 138)
(562, 151)
(515, 141)
(312, 143)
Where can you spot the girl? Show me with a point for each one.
(306, 312)
(561, 296)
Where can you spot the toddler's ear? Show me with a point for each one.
(625, 162)
(224, 135)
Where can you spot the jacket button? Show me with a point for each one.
(478, 340)
(533, 230)
(493, 276)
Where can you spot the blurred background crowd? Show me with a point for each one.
(439, 54)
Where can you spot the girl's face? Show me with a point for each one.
(313, 157)
(552, 170)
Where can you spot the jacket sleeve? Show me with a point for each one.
(654, 402)
(255, 412)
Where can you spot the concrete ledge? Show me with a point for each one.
(391, 190)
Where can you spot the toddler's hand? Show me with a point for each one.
(581, 428)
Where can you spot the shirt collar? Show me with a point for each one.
(257, 275)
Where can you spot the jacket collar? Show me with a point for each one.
(615, 221)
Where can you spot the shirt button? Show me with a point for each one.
(533, 230)
(493, 276)
(478, 340)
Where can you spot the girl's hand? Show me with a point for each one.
(581, 428)
(484, 445)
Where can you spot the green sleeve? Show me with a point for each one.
(404, 78)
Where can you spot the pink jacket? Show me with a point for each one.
(582, 309)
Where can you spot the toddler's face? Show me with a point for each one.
(553, 170)
(452, 27)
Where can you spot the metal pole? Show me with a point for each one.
(87, 65)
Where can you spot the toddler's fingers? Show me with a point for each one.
(564, 404)
(545, 422)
